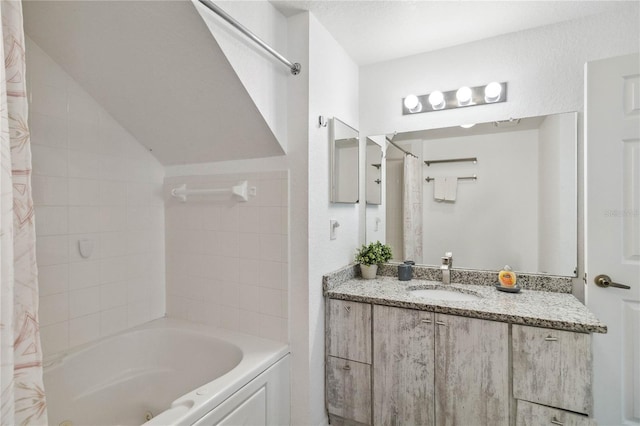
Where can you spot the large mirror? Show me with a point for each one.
(344, 148)
(494, 194)
(373, 171)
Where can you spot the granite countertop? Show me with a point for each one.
(535, 308)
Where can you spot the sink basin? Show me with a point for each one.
(443, 294)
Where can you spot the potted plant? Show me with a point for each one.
(370, 256)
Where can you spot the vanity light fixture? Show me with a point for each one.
(467, 126)
(465, 96)
(413, 104)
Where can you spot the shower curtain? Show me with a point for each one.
(22, 398)
(412, 209)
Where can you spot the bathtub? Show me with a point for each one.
(170, 372)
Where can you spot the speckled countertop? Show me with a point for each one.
(536, 308)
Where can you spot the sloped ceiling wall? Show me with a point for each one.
(157, 69)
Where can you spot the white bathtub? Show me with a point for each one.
(179, 372)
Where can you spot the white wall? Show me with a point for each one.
(91, 180)
(557, 197)
(226, 259)
(543, 66)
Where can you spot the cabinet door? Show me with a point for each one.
(529, 414)
(349, 330)
(349, 389)
(402, 366)
(552, 367)
(472, 371)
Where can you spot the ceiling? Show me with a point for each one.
(156, 68)
(375, 31)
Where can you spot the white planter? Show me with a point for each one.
(368, 271)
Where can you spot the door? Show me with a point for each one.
(612, 194)
(403, 367)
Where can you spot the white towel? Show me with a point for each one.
(450, 188)
(438, 188)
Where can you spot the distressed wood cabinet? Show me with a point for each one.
(529, 414)
(403, 372)
(552, 367)
(472, 371)
(348, 362)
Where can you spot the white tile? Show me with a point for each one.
(49, 191)
(84, 302)
(137, 290)
(229, 218)
(113, 193)
(249, 322)
(228, 294)
(113, 219)
(53, 309)
(271, 247)
(54, 338)
(139, 193)
(83, 137)
(269, 192)
(113, 269)
(228, 270)
(229, 317)
(84, 165)
(84, 329)
(270, 274)
(113, 295)
(284, 200)
(249, 246)
(138, 313)
(249, 272)
(52, 250)
(53, 279)
(84, 219)
(48, 161)
(270, 301)
(249, 219)
(228, 244)
(51, 220)
(113, 321)
(211, 218)
(113, 168)
(84, 192)
(47, 130)
(113, 244)
(49, 99)
(82, 107)
(74, 247)
(137, 217)
(84, 274)
(270, 219)
(273, 328)
(249, 298)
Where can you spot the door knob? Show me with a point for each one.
(605, 281)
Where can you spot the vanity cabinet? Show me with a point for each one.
(403, 372)
(529, 414)
(472, 371)
(439, 369)
(552, 367)
(348, 362)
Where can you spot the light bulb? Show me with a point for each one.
(464, 96)
(436, 99)
(467, 126)
(412, 103)
(492, 92)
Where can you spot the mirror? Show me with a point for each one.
(515, 205)
(344, 145)
(373, 171)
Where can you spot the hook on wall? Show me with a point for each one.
(322, 121)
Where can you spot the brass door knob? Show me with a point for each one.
(604, 281)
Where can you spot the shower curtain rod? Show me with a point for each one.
(293, 67)
(397, 146)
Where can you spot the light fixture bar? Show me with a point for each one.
(478, 97)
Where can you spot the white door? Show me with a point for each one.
(612, 171)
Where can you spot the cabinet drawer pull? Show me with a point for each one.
(346, 367)
(441, 323)
(347, 308)
(551, 339)
(555, 421)
(426, 321)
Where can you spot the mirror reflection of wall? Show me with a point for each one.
(344, 162)
(520, 211)
(373, 172)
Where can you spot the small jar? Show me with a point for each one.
(405, 271)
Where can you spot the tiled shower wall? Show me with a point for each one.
(226, 259)
(91, 180)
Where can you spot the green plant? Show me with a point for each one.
(373, 254)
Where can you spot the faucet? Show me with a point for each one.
(447, 264)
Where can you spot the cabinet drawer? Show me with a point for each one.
(529, 414)
(349, 330)
(552, 367)
(349, 389)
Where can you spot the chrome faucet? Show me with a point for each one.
(447, 264)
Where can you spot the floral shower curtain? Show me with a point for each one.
(412, 209)
(22, 398)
